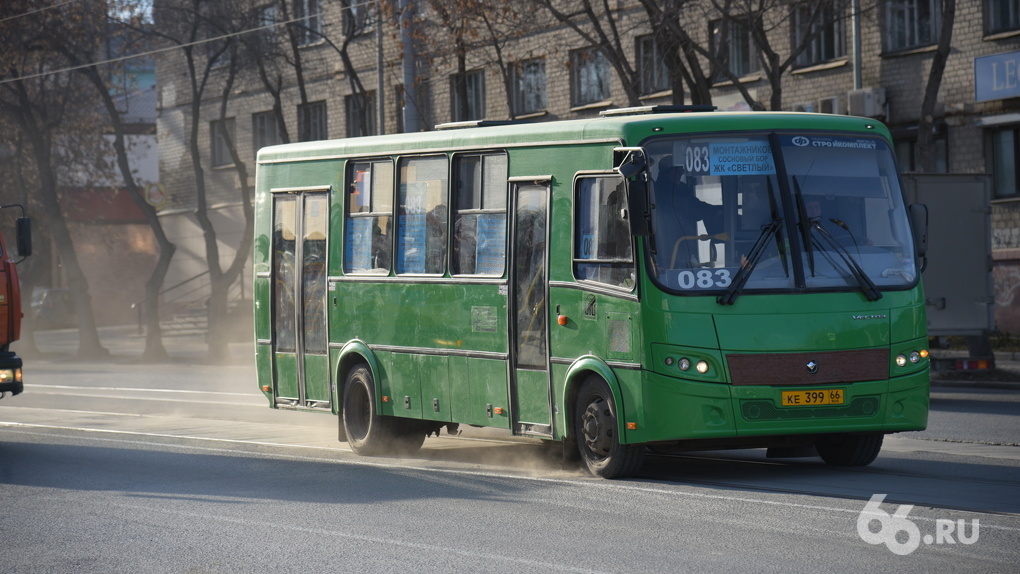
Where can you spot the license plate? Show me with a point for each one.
(812, 398)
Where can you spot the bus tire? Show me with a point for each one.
(849, 449)
(596, 427)
(368, 432)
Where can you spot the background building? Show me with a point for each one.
(297, 70)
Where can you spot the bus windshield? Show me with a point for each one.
(789, 211)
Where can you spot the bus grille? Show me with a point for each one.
(758, 410)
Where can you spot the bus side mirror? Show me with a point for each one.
(637, 203)
(24, 232)
(919, 226)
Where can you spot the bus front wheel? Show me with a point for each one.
(368, 432)
(849, 449)
(596, 427)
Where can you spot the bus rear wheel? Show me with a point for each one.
(368, 432)
(849, 449)
(596, 427)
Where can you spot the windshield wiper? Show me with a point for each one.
(767, 231)
(868, 286)
(809, 225)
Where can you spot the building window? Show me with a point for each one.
(529, 86)
(309, 21)
(422, 205)
(822, 26)
(479, 214)
(602, 246)
(359, 17)
(1005, 157)
(368, 226)
(909, 161)
(911, 23)
(651, 59)
(1002, 15)
(733, 49)
(268, 17)
(360, 110)
(312, 121)
(264, 130)
(590, 76)
(222, 132)
(467, 96)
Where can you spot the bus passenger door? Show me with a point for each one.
(300, 358)
(529, 293)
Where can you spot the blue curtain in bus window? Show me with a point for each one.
(314, 273)
(422, 216)
(479, 219)
(284, 243)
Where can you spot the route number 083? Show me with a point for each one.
(704, 279)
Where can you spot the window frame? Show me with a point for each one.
(996, 165)
(377, 194)
(219, 152)
(530, 85)
(360, 124)
(602, 263)
(480, 208)
(309, 25)
(829, 41)
(991, 16)
(912, 35)
(589, 67)
(475, 87)
(404, 225)
(311, 122)
(658, 71)
(264, 130)
(726, 29)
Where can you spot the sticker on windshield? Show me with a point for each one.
(829, 142)
(729, 158)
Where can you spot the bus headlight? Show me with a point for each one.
(901, 360)
(702, 367)
(8, 375)
(915, 357)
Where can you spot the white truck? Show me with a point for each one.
(958, 285)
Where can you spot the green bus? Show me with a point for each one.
(662, 277)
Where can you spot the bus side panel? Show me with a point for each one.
(398, 385)
(264, 368)
(478, 389)
(285, 370)
(435, 387)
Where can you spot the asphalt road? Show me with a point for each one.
(118, 467)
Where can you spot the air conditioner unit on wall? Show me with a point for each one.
(867, 102)
(831, 105)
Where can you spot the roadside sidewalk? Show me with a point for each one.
(126, 346)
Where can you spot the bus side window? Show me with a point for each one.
(479, 215)
(422, 215)
(368, 221)
(602, 245)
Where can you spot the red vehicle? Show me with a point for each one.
(10, 306)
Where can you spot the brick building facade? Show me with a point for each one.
(553, 74)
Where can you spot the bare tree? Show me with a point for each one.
(925, 135)
(78, 50)
(54, 128)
